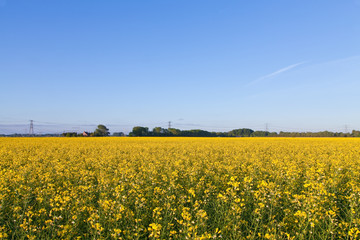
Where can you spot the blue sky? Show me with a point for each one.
(209, 64)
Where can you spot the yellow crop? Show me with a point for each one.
(179, 188)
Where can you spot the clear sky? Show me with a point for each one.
(208, 64)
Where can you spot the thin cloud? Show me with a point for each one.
(341, 60)
(276, 73)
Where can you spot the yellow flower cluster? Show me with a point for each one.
(179, 188)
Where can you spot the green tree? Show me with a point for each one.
(260, 134)
(139, 131)
(159, 131)
(355, 133)
(174, 131)
(242, 132)
(101, 131)
(118, 134)
(69, 134)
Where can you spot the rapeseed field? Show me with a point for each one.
(179, 188)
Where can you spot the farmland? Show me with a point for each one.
(180, 188)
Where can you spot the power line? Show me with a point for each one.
(45, 126)
(31, 131)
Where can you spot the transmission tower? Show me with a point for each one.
(169, 124)
(31, 131)
(346, 128)
(266, 127)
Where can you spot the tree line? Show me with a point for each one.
(139, 131)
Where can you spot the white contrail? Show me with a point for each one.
(274, 74)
